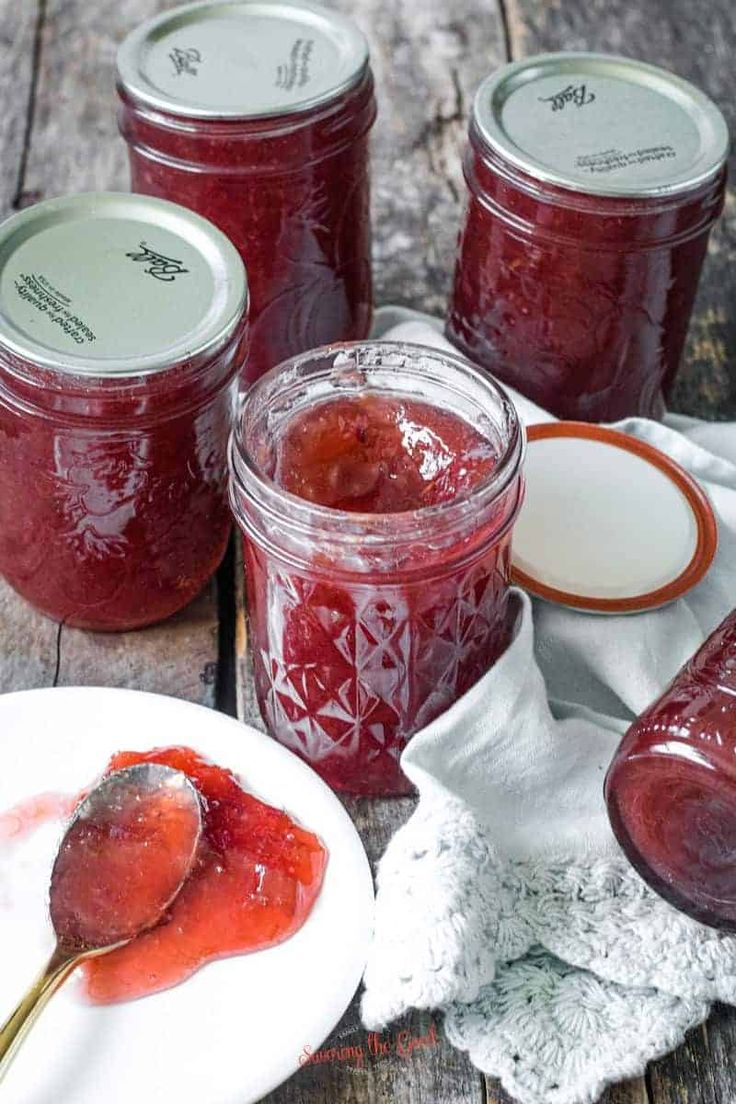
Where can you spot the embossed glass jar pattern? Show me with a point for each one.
(576, 275)
(113, 474)
(364, 627)
(288, 184)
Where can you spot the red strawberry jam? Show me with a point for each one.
(671, 789)
(379, 455)
(255, 881)
(377, 530)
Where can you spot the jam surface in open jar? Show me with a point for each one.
(258, 117)
(671, 789)
(374, 612)
(593, 183)
(380, 455)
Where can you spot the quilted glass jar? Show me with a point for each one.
(122, 331)
(257, 114)
(593, 182)
(367, 621)
(671, 789)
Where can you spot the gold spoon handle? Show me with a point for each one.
(19, 1023)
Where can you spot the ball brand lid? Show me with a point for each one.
(601, 124)
(110, 284)
(247, 59)
(609, 524)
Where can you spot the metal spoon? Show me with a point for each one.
(125, 855)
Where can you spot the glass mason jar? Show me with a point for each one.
(257, 114)
(671, 789)
(365, 626)
(122, 331)
(593, 183)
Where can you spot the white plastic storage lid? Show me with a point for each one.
(609, 524)
(111, 284)
(246, 59)
(601, 124)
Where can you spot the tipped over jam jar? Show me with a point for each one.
(122, 330)
(594, 182)
(256, 114)
(376, 485)
(671, 789)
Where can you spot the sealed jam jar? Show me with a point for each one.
(122, 330)
(593, 184)
(671, 789)
(376, 486)
(256, 114)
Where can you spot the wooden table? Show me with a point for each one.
(58, 134)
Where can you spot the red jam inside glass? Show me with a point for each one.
(357, 644)
(292, 194)
(113, 493)
(671, 789)
(581, 302)
(380, 455)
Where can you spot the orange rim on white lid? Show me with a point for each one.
(610, 524)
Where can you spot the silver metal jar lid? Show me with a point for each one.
(244, 59)
(601, 124)
(111, 284)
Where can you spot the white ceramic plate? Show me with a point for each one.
(237, 1028)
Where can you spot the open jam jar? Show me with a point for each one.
(256, 114)
(122, 330)
(593, 184)
(671, 789)
(376, 485)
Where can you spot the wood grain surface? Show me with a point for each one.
(58, 134)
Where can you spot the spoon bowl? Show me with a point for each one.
(125, 855)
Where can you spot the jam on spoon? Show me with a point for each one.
(125, 856)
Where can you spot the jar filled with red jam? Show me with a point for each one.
(671, 789)
(122, 332)
(594, 182)
(376, 485)
(256, 114)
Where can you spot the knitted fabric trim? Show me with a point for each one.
(558, 977)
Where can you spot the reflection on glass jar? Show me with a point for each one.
(376, 486)
(671, 789)
(593, 184)
(257, 116)
(115, 414)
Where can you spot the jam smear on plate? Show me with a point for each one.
(255, 881)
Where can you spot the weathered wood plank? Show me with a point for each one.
(428, 59)
(19, 27)
(697, 42)
(28, 643)
(74, 146)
